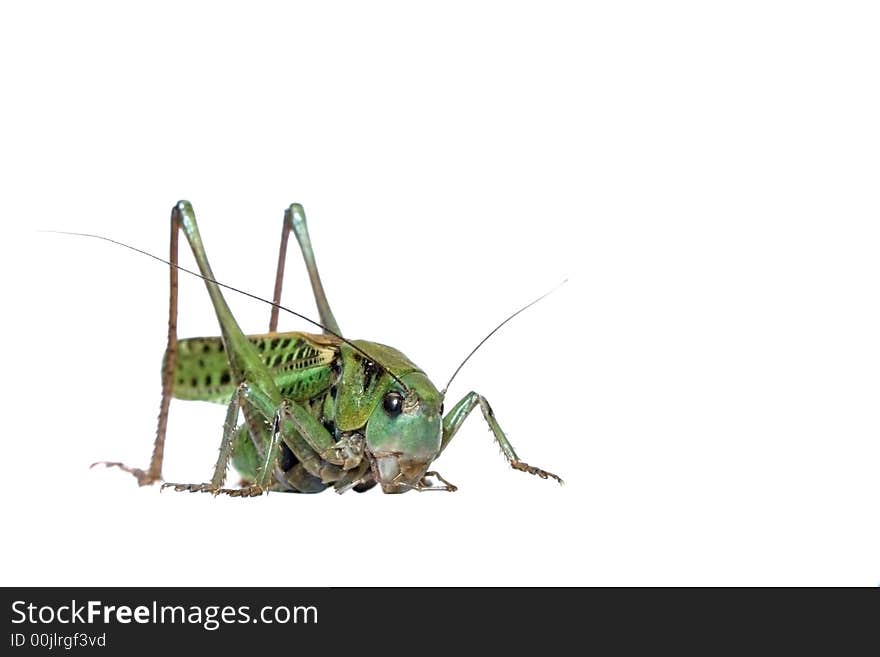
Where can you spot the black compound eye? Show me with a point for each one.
(393, 403)
(441, 409)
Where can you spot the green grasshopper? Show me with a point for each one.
(319, 410)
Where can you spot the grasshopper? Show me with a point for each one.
(319, 410)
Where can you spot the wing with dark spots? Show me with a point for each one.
(202, 371)
(302, 366)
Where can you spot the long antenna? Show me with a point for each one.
(494, 330)
(231, 289)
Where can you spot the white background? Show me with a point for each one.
(708, 382)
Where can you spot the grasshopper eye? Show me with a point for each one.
(393, 403)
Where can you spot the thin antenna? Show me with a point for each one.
(494, 330)
(231, 289)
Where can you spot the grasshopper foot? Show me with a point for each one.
(143, 477)
(543, 474)
(248, 491)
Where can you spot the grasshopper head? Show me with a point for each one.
(404, 432)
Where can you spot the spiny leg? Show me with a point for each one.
(154, 472)
(287, 426)
(455, 417)
(226, 449)
(303, 435)
(289, 472)
(314, 447)
(244, 396)
(257, 430)
(295, 220)
(226, 443)
(259, 435)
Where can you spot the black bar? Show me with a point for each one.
(396, 621)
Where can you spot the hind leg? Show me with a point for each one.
(295, 220)
(154, 472)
